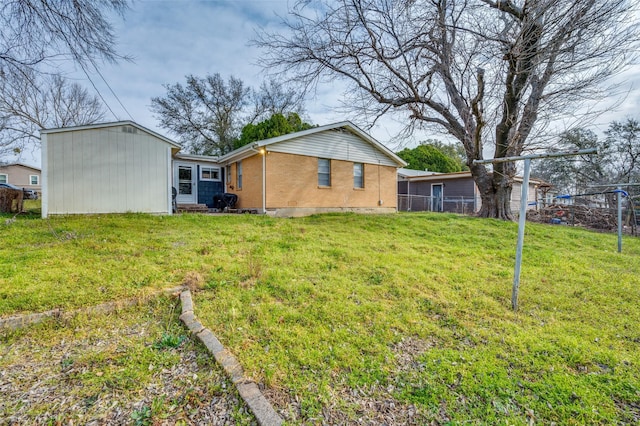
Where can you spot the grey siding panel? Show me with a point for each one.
(458, 188)
(336, 145)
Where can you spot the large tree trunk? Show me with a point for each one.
(495, 193)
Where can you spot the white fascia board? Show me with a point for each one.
(198, 158)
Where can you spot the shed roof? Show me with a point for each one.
(113, 124)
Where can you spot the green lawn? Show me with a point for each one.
(332, 312)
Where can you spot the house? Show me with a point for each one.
(124, 167)
(330, 168)
(21, 175)
(451, 192)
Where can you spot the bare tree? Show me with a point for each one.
(207, 114)
(575, 174)
(274, 98)
(30, 103)
(623, 142)
(38, 34)
(618, 159)
(488, 72)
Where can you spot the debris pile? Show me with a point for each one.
(576, 215)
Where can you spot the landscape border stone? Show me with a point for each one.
(248, 390)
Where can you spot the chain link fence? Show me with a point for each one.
(425, 203)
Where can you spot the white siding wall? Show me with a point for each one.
(334, 144)
(106, 171)
(516, 196)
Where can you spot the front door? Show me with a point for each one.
(436, 197)
(185, 183)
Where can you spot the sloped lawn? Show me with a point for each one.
(401, 319)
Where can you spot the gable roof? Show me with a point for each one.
(21, 165)
(113, 124)
(253, 148)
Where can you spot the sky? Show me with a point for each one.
(168, 39)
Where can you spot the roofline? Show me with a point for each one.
(195, 157)
(251, 149)
(454, 175)
(20, 164)
(110, 124)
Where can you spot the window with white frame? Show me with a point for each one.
(358, 175)
(209, 173)
(239, 174)
(4, 178)
(34, 180)
(324, 172)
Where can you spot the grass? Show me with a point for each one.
(411, 307)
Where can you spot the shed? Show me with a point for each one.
(106, 168)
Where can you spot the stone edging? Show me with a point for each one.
(248, 390)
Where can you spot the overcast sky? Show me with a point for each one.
(169, 39)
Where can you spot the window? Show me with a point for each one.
(209, 173)
(358, 175)
(34, 180)
(4, 178)
(239, 174)
(324, 172)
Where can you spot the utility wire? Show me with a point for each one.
(111, 90)
(79, 60)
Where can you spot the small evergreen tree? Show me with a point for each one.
(276, 125)
(427, 156)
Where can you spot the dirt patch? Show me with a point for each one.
(119, 374)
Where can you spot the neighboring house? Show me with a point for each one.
(21, 175)
(106, 168)
(331, 168)
(124, 167)
(451, 192)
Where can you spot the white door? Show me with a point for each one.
(186, 183)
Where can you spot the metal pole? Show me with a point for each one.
(523, 204)
(522, 220)
(619, 219)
